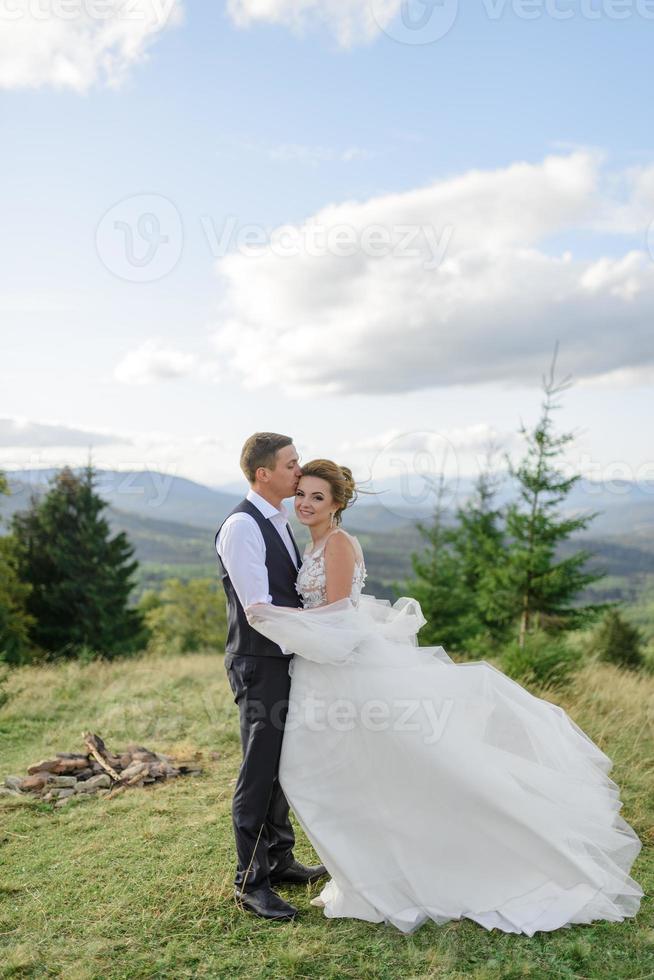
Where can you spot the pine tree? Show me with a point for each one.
(438, 581)
(81, 577)
(454, 581)
(618, 642)
(535, 589)
(15, 622)
(479, 543)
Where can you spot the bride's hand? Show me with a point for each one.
(254, 611)
(262, 610)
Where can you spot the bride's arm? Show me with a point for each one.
(325, 634)
(257, 609)
(339, 567)
(339, 571)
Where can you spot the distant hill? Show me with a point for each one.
(626, 508)
(147, 493)
(172, 521)
(395, 502)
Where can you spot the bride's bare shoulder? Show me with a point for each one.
(353, 538)
(342, 541)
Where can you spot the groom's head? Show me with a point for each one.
(271, 466)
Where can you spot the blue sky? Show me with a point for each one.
(524, 143)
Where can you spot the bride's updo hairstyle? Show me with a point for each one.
(340, 480)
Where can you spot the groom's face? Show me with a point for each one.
(284, 479)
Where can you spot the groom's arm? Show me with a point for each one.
(243, 553)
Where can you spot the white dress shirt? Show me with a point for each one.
(242, 550)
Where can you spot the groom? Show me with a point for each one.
(259, 562)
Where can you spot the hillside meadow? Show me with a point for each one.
(141, 885)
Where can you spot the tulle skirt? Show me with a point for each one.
(439, 790)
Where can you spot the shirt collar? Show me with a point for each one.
(266, 508)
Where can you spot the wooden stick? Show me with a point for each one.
(97, 748)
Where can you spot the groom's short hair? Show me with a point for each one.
(261, 450)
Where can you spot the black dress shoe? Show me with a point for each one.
(264, 903)
(298, 874)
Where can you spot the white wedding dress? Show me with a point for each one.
(439, 790)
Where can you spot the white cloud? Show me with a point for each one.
(302, 153)
(24, 433)
(471, 438)
(475, 295)
(152, 362)
(79, 44)
(205, 457)
(452, 449)
(37, 300)
(313, 155)
(351, 21)
(635, 377)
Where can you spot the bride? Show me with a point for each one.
(432, 789)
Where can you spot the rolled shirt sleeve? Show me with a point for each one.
(243, 553)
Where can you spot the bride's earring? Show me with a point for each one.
(331, 520)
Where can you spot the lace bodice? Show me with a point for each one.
(311, 581)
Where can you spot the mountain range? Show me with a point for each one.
(172, 520)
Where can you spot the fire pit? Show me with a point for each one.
(71, 774)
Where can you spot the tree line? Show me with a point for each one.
(67, 582)
(490, 582)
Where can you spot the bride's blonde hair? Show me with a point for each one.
(340, 480)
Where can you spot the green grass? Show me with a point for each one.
(140, 886)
